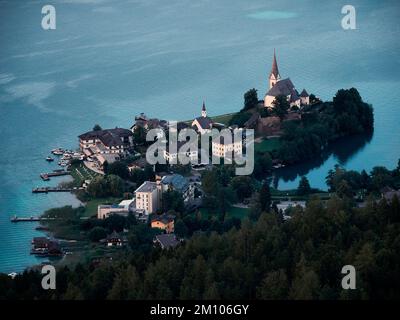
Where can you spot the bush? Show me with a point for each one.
(97, 233)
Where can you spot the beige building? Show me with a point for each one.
(104, 211)
(148, 197)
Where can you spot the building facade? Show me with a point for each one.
(148, 197)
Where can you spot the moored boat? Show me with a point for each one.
(57, 152)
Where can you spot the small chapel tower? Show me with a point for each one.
(204, 111)
(274, 76)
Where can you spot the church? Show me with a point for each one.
(203, 124)
(285, 87)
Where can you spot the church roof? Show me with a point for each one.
(274, 70)
(204, 122)
(284, 87)
(203, 107)
(294, 96)
(304, 94)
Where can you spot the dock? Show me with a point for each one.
(53, 189)
(55, 173)
(30, 219)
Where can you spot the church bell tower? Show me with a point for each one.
(274, 76)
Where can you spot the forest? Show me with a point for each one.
(346, 115)
(264, 257)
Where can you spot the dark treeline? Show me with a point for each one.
(270, 258)
(346, 115)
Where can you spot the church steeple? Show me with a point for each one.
(274, 76)
(203, 110)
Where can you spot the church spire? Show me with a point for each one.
(274, 76)
(203, 110)
(274, 70)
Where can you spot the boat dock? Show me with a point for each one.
(51, 189)
(30, 219)
(55, 173)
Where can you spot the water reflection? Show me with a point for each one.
(343, 150)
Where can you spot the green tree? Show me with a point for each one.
(172, 200)
(304, 187)
(250, 99)
(126, 285)
(275, 286)
(240, 119)
(139, 135)
(264, 197)
(243, 186)
(119, 169)
(97, 233)
(180, 228)
(344, 190)
(306, 284)
(281, 106)
(97, 127)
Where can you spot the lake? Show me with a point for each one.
(110, 60)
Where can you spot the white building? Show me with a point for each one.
(173, 155)
(104, 210)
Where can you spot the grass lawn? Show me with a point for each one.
(85, 252)
(80, 173)
(267, 145)
(91, 206)
(223, 118)
(235, 212)
(292, 194)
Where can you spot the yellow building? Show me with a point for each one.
(164, 222)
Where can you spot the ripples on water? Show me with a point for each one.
(106, 63)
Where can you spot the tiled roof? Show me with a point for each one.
(177, 181)
(109, 137)
(164, 218)
(204, 122)
(147, 186)
(304, 94)
(294, 96)
(283, 87)
(167, 240)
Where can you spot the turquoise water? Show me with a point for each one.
(272, 15)
(109, 60)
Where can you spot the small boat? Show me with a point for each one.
(57, 152)
(49, 159)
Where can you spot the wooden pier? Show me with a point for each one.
(30, 219)
(53, 189)
(55, 173)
